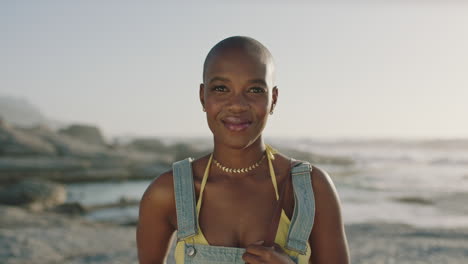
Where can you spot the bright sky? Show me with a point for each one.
(367, 69)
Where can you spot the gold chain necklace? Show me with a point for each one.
(242, 170)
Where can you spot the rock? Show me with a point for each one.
(42, 141)
(184, 150)
(78, 154)
(72, 169)
(125, 200)
(86, 133)
(121, 203)
(14, 142)
(35, 194)
(96, 174)
(150, 171)
(48, 164)
(137, 156)
(73, 208)
(149, 144)
(68, 145)
(52, 168)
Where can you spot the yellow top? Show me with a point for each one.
(283, 226)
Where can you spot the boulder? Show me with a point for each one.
(96, 174)
(14, 169)
(15, 142)
(183, 150)
(73, 208)
(86, 133)
(34, 194)
(68, 145)
(149, 144)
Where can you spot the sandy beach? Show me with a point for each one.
(48, 238)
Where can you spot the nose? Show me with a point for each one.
(238, 103)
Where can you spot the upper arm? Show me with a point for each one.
(328, 238)
(156, 220)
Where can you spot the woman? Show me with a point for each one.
(245, 202)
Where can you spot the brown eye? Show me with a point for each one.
(257, 90)
(220, 88)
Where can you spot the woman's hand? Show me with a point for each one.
(257, 253)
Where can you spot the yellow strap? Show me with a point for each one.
(203, 183)
(270, 152)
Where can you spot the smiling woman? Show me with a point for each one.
(238, 91)
(243, 210)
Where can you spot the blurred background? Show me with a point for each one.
(97, 98)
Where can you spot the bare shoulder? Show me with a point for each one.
(161, 187)
(322, 183)
(328, 238)
(283, 163)
(157, 220)
(160, 196)
(327, 201)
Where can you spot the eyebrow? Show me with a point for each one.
(217, 78)
(255, 81)
(258, 81)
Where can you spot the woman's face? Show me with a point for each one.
(237, 94)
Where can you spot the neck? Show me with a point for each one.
(242, 157)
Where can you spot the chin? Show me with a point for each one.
(237, 142)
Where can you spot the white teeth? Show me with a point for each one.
(236, 127)
(235, 120)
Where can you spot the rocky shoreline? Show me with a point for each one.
(49, 238)
(79, 153)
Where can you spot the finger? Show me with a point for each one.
(260, 242)
(256, 249)
(278, 248)
(251, 258)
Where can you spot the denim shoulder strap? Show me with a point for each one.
(304, 208)
(185, 198)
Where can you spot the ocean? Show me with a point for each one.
(423, 183)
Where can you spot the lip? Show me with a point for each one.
(236, 124)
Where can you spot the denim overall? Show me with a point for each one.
(299, 230)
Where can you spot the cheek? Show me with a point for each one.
(262, 108)
(213, 106)
(213, 109)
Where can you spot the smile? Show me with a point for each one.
(236, 124)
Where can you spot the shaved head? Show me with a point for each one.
(247, 45)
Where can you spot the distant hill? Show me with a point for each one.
(20, 112)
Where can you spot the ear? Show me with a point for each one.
(202, 94)
(274, 98)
